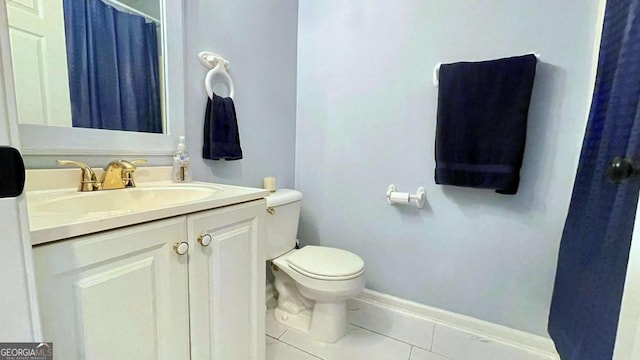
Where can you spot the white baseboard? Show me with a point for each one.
(516, 338)
(419, 313)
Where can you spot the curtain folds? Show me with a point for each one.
(595, 244)
(113, 68)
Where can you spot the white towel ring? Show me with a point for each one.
(218, 65)
(220, 70)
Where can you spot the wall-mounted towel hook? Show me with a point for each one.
(219, 66)
(436, 74)
(436, 71)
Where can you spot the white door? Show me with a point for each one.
(38, 45)
(18, 304)
(628, 335)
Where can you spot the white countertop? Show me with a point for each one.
(46, 226)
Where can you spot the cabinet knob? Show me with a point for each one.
(205, 240)
(181, 248)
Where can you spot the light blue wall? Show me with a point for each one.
(366, 115)
(259, 40)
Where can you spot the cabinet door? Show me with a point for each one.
(227, 282)
(121, 294)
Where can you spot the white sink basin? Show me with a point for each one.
(112, 202)
(64, 213)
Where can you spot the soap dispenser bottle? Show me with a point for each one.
(181, 170)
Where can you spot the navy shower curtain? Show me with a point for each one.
(113, 68)
(595, 244)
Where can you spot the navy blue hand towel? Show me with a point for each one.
(221, 137)
(482, 122)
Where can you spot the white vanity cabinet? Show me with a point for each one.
(121, 294)
(127, 293)
(227, 282)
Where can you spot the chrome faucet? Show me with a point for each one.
(118, 174)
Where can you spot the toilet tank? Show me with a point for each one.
(282, 221)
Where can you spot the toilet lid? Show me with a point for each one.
(322, 262)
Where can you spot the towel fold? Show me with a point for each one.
(482, 122)
(221, 136)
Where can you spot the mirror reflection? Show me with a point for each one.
(88, 63)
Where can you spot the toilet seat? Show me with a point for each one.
(326, 263)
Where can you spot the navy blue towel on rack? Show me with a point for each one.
(221, 136)
(482, 122)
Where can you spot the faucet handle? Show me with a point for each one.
(88, 179)
(125, 165)
(80, 164)
(130, 165)
(138, 161)
(127, 171)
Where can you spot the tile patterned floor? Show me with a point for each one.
(407, 338)
(358, 344)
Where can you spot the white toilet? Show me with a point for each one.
(313, 283)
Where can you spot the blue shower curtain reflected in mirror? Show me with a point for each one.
(113, 68)
(594, 250)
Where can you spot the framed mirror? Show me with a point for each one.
(97, 77)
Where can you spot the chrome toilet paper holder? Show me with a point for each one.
(394, 197)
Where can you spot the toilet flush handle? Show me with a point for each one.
(271, 210)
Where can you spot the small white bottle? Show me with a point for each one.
(181, 170)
